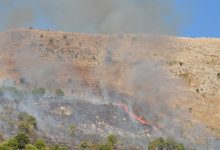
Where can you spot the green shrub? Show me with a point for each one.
(12, 91)
(59, 92)
(84, 145)
(72, 129)
(30, 147)
(26, 123)
(22, 140)
(57, 147)
(168, 144)
(40, 144)
(26, 118)
(11, 144)
(112, 139)
(38, 91)
(105, 147)
(1, 137)
(24, 127)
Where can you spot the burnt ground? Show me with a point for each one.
(92, 122)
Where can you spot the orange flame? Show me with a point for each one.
(136, 117)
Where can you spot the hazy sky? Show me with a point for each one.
(194, 18)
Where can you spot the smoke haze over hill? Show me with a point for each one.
(95, 16)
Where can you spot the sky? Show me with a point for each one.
(188, 18)
(204, 20)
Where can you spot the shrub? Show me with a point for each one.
(23, 81)
(40, 144)
(1, 138)
(59, 92)
(51, 41)
(218, 75)
(65, 36)
(72, 130)
(112, 139)
(12, 91)
(161, 144)
(58, 147)
(25, 117)
(11, 144)
(30, 147)
(84, 145)
(27, 123)
(24, 127)
(22, 140)
(38, 91)
(105, 147)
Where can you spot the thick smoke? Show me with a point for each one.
(100, 16)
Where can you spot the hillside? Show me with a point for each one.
(159, 77)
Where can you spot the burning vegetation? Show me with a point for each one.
(104, 92)
(83, 123)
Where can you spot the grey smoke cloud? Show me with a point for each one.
(102, 16)
(107, 16)
(20, 18)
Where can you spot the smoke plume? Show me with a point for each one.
(99, 16)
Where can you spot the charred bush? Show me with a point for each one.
(65, 37)
(51, 40)
(218, 75)
(23, 81)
